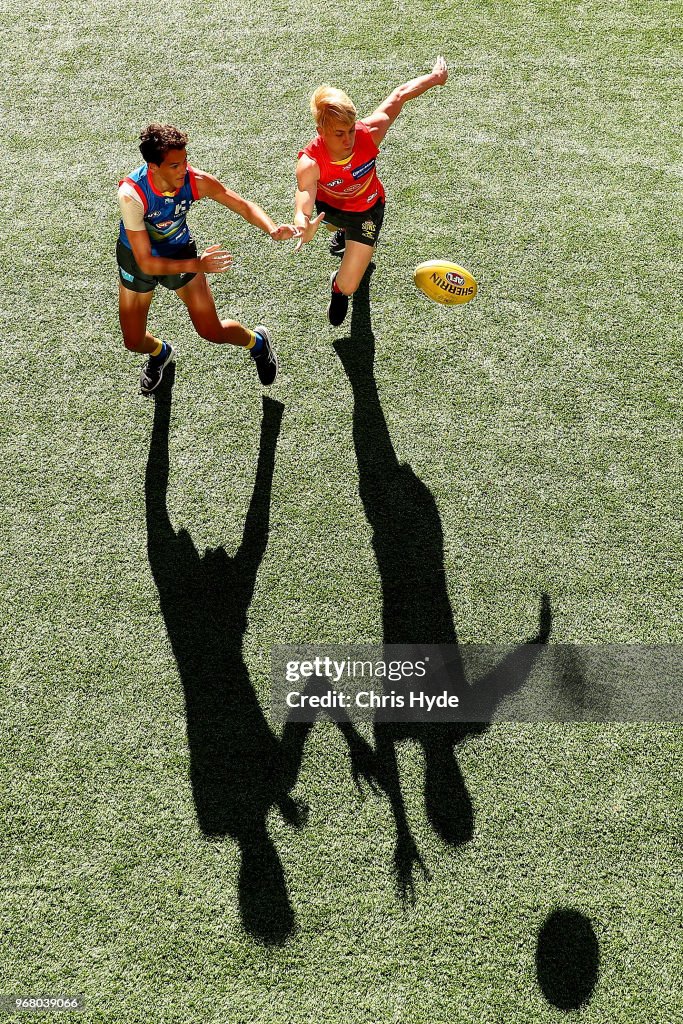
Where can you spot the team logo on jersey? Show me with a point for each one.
(163, 224)
(359, 172)
(333, 184)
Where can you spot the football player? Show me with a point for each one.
(336, 173)
(155, 247)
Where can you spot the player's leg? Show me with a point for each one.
(355, 262)
(357, 259)
(198, 298)
(133, 310)
(361, 231)
(136, 290)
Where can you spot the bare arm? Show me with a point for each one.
(214, 260)
(381, 120)
(210, 187)
(307, 177)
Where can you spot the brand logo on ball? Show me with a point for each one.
(449, 284)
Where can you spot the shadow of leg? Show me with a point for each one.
(264, 900)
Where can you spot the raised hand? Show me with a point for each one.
(440, 71)
(285, 231)
(308, 233)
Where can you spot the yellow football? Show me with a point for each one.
(445, 282)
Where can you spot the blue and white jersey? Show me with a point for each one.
(163, 214)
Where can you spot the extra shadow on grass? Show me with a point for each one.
(567, 959)
(407, 539)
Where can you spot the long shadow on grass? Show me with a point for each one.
(239, 769)
(408, 542)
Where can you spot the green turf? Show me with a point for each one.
(544, 419)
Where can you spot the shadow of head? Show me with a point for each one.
(567, 959)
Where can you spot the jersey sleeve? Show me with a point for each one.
(132, 210)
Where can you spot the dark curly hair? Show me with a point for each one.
(157, 139)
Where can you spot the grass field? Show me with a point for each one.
(154, 552)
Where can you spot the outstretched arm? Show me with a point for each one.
(381, 120)
(210, 187)
(307, 176)
(515, 668)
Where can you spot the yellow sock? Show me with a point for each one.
(157, 349)
(252, 338)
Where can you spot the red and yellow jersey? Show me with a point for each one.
(351, 184)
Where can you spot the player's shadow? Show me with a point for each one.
(407, 538)
(239, 769)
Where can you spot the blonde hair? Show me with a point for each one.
(330, 104)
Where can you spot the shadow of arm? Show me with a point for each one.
(510, 675)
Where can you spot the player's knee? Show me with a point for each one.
(349, 279)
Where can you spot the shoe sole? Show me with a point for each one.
(170, 358)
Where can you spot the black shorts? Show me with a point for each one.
(135, 280)
(361, 227)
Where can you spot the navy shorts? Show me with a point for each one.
(135, 280)
(361, 227)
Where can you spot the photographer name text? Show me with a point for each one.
(369, 699)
